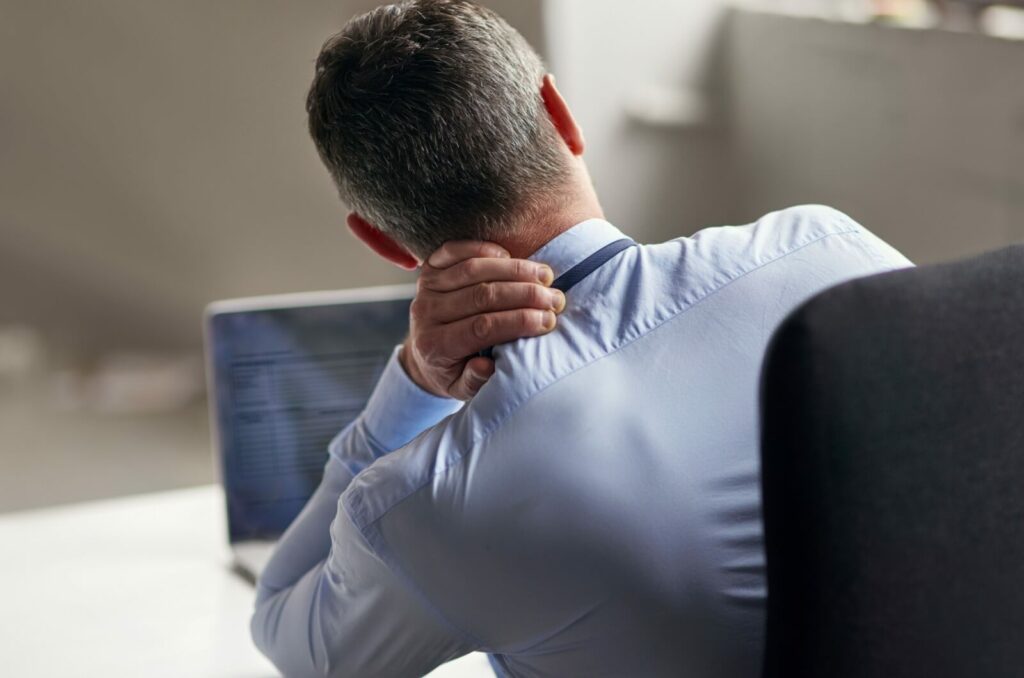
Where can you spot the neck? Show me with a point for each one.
(543, 224)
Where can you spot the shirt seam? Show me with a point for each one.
(511, 411)
(377, 541)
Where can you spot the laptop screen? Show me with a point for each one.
(285, 382)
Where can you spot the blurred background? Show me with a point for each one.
(153, 158)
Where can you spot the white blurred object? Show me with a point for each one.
(903, 13)
(900, 13)
(662, 106)
(145, 589)
(1003, 22)
(21, 351)
(132, 383)
(824, 9)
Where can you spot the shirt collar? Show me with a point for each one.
(571, 247)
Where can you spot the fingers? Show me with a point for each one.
(472, 295)
(473, 271)
(472, 335)
(486, 297)
(475, 374)
(454, 251)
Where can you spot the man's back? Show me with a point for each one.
(595, 509)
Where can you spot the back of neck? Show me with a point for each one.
(540, 227)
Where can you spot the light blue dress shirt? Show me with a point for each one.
(594, 510)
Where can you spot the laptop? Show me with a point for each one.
(285, 374)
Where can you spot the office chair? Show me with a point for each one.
(893, 476)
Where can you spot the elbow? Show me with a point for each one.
(287, 627)
(258, 627)
(288, 649)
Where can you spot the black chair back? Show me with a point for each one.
(893, 476)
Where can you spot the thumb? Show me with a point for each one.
(474, 375)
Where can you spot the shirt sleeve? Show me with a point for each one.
(397, 411)
(350, 615)
(309, 591)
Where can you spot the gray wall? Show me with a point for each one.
(153, 157)
(917, 134)
(656, 182)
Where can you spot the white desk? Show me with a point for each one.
(132, 587)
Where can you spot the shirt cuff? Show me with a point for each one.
(399, 410)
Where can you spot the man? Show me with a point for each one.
(593, 509)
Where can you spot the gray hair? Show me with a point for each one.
(428, 115)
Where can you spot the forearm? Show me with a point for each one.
(349, 615)
(396, 412)
(307, 541)
(326, 603)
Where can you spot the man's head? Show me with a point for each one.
(437, 122)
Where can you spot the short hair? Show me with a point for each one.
(428, 115)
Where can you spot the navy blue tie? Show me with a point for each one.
(568, 280)
(574, 275)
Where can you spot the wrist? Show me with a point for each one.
(398, 410)
(412, 370)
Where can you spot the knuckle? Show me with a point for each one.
(425, 281)
(537, 296)
(483, 326)
(418, 308)
(470, 269)
(483, 296)
(532, 321)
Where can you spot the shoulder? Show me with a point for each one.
(820, 219)
(652, 285)
(809, 220)
(774, 234)
(797, 227)
(795, 236)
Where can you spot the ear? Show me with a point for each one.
(381, 243)
(561, 116)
